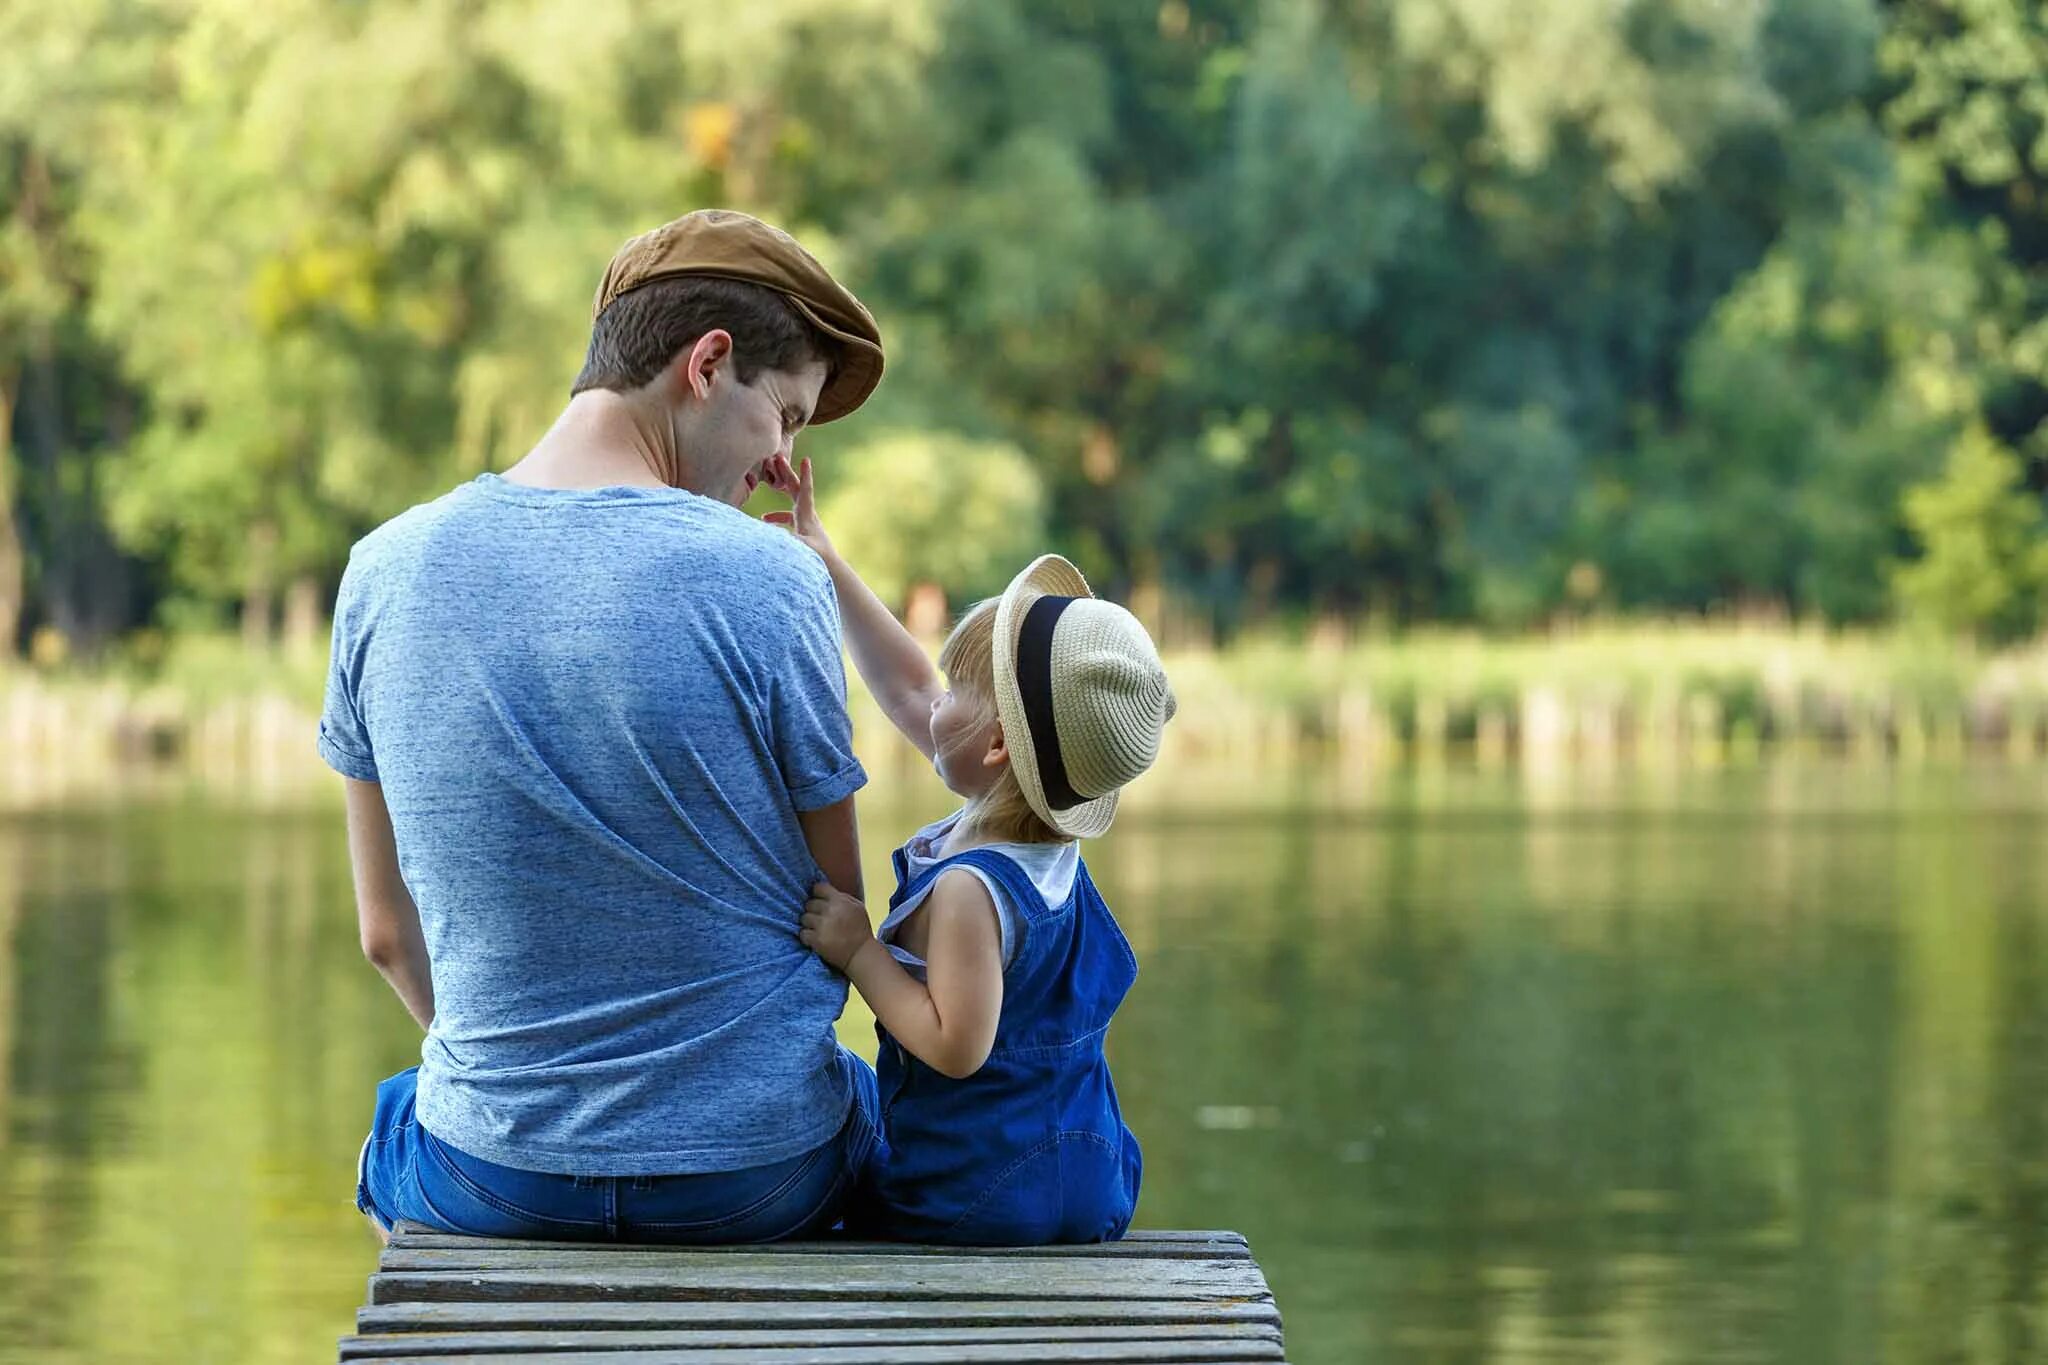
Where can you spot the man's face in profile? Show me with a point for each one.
(741, 426)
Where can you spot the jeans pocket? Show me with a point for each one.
(465, 1195)
(760, 1204)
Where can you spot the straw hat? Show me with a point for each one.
(1081, 694)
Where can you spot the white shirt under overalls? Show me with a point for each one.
(1051, 868)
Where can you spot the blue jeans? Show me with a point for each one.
(405, 1172)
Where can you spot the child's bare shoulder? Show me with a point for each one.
(961, 890)
(959, 900)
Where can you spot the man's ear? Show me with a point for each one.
(696, 366)
(998, 750)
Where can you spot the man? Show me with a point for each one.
(592, 720)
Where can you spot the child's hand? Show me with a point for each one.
(835, 925)
(801, 519)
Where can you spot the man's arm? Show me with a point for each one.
(385, 914)
(833, 835)
(948, 1020)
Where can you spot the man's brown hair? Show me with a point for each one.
(644, 329)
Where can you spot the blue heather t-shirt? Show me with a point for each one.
(595, 715)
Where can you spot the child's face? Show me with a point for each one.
(962, 737)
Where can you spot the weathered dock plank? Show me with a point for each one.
(661, 1315)
(1185, 1246)
(1261, 1339)
(420, 1235)
(1035, 1353)
(597, 1256)
(438, 1299)
(700, 1275)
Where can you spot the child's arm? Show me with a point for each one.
(894, 666)
(948, 1020)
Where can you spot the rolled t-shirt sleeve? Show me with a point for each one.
(811, 732)
(344, 739)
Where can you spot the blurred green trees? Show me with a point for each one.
(1985, 564)
(918, 509)
(1444, 309)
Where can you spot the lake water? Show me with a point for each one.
(1711, 1066)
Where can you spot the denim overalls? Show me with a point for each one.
(1030, 1149)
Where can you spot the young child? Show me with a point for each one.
(994, 975)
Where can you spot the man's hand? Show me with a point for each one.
(835, 925)
(802, 519)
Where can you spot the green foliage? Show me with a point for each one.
(1823, 384)
(913, 508)
(1970, 119)
(1427, 310)
(1984, 565)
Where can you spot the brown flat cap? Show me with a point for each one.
(735, 246)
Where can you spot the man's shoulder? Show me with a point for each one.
(400, 537)
(714, 546)
(770, 557)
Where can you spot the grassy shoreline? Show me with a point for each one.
(210, 712)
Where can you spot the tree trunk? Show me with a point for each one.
(302, 616)
(13, 572)
(924, 613)
(1261, 589)
(1148, 601)
(259, 593)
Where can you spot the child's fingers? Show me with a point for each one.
(805, 495)
(779, 518)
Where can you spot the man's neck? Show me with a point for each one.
(605, 440)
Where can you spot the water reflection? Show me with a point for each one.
(190, 1032)
(1736, 1066)
(1613, 1085)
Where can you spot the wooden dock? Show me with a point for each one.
(1155, 1296)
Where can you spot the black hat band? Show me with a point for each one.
(1034, 684)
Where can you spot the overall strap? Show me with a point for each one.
(900, 861)
(1023, 892)
(1004, 872)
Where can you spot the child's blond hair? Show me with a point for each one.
(968, 659)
